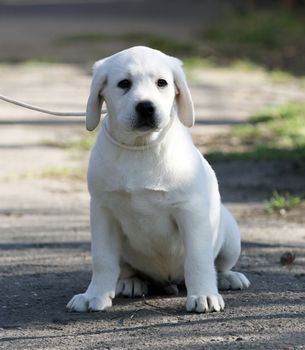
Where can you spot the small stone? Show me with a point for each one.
(287, 258)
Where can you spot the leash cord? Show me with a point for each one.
(43, 110)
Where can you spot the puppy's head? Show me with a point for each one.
(140, 86)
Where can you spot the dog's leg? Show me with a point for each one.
(105, 263)
(229, 254)
(129, 285)
(199, 270)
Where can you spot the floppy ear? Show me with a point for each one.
(185, 107)
(95, 100)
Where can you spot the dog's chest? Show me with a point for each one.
(143, 211)
(151, 241)
(145, 218)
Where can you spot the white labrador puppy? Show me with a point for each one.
(155, 205)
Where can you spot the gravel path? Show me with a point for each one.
(44, 229)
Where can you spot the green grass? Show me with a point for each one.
(168, 45)
(281, 127)
(258, 153)
(197, 62)
(281, 77)
(49, 173)
(274, 133)
(32, 61)
(272, 38)
(269, 29)
(84, 143)
(282, 201)
(277, 76)
(55, 173)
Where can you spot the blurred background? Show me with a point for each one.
(268, 33)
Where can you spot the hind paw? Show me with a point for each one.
(132, 287)
(232, 280)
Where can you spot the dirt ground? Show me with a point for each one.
(44, 227)
(45, 242)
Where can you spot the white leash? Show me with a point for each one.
(43, 110)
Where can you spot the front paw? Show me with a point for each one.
(205, 303)
(84, 302)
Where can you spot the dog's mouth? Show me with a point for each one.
(146, 129)
(144, 125)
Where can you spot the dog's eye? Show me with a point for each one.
(124, 84)
(161, 82)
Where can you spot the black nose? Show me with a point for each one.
(145, 109)
(146, 115)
